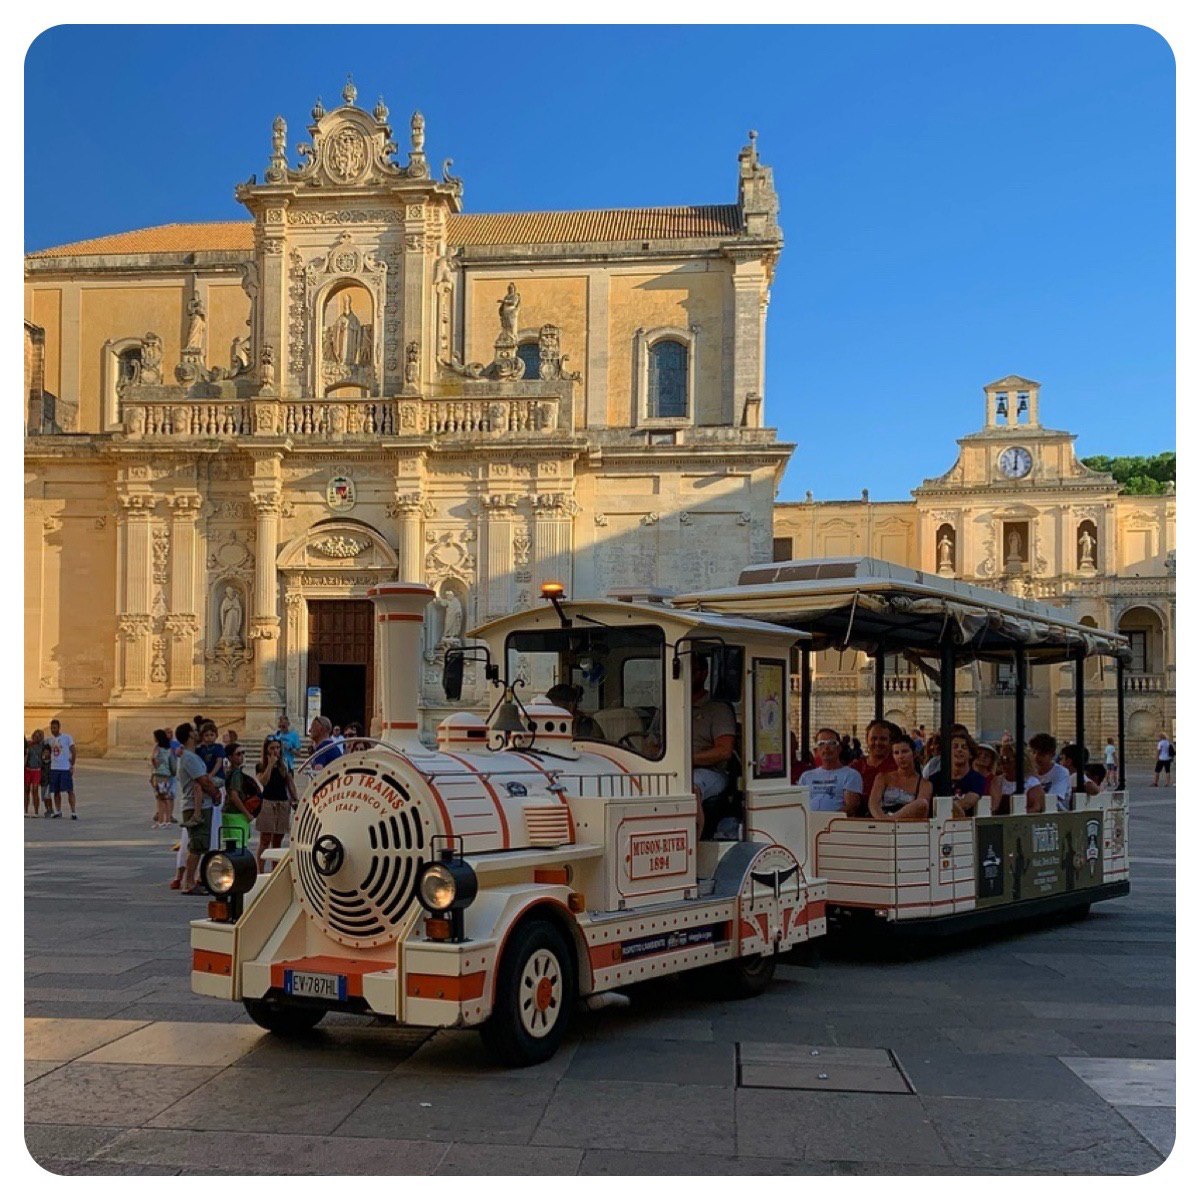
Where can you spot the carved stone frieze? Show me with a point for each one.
(346, 216)
(232, 556)
(132, 626)
(339, 547)
(160, 545)
(182, 625)
(448, 554)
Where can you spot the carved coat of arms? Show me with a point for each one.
(347, 154)
(340, 494)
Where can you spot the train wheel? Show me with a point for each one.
(535, 991)
(285, 1020)
(748, 976)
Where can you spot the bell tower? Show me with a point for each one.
(1011, 402)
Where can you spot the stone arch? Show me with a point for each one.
(339, 544)
(1145, 627)
(347, 357)
(113, 354)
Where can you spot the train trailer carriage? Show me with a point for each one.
(945, 872)
(537, 856)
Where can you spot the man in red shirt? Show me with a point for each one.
(877, 758)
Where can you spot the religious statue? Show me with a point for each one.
(266, 367)
(1087, 548)
(1014, 545)
(452, 621)
(239, 355)
(509, 307)
(945, 553)
(231, 618)
(412, 362)
(345, 335)
(195, 330)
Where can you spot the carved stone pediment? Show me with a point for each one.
(338, 546)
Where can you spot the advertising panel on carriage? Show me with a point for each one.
(1032, 857)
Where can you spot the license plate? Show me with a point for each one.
(314, 986)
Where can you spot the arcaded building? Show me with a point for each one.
(236, 428)
(1020, 513)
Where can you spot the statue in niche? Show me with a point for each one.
(345, 335)
(1014, 545)
(1087, 548)
(231, 618)
(452, 617)
(510, 306)
(196, 320)
(945, 552)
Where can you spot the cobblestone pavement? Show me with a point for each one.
(1050, 1050)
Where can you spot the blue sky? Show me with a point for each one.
(958, 203)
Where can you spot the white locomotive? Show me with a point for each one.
(536, 859)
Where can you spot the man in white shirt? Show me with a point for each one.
(1162, 764)
(1051, 777)
(62, 766)
(832, 787)
(1110, 763)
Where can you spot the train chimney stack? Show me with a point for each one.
(399, 613)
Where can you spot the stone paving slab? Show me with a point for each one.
(63, 1040)
(197, 1044)
(638, 1116)
(334, 1047)
(830, 1126)
(35, 1068)
(67, 1142)
(503, 1108)
(109, 1094)
(479, 1159)
(1155, 1123)
(272, 1153)
(1027, 1039)
(998, 1076)
(1044, 1137)
(682, 1162)
(640, 1060)
(461, 1052)
(1132, 1081)
(281, 1101)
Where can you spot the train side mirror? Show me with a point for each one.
(452, 674)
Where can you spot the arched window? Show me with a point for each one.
(531, 356)
(668, 379)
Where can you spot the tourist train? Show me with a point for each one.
(539, 856)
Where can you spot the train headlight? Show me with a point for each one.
(231, 871)
(448, 885)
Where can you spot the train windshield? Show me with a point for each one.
(610, 678)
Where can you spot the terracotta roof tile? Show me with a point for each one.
(599, 225)
(465, 229)
(162, 239)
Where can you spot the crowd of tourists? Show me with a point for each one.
(894, 776)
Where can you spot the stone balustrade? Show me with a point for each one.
(492, 417)
(1139, 682)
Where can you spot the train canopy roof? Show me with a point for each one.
(686, 623)
(878, 606)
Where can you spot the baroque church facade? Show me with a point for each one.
(1017, 512)
(236, 428)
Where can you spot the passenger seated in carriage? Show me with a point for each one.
(832, 787)
(902, 794)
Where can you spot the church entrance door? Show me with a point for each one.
(341, 657)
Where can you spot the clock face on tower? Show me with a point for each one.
(1016, 462)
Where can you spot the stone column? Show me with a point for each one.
(408, 510)
(553, 520)
(136, 575)
(296, 656)
(271, 307)
(497, 580)
(749, 289)
(183, 620)
(264, 701)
